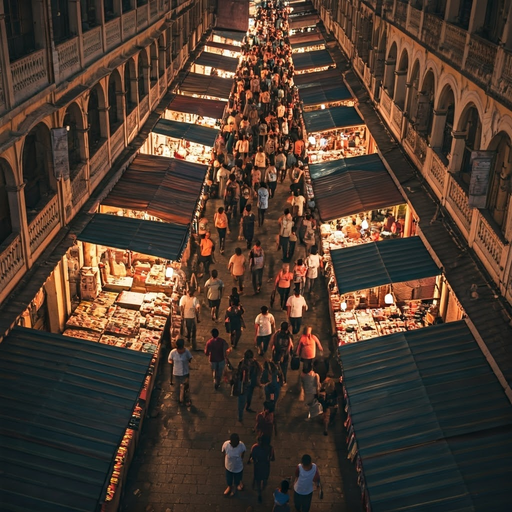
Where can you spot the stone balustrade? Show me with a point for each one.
(11, 260)
(131, 123)
(79, 185)
(413, 24)
(454, 43)
(481, 58)
(129, 24)
(458, 199)
(142, 17)
(162, 84)
(385, 102)
(397, 116)
(416, 143)
(68, 58)
(93, 44)
(29, 75)
(431, 32)
(437, 171)
(144, 106)
(401, 14)
(99, 162)
(489, 241)
(44, 223)
(113, 33)
(117, 142)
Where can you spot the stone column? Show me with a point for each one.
(400, 87)
(458, 146)
(438, 124)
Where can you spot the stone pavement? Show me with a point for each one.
(178, 465)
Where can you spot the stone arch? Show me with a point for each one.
(7, 184)
(442, 135)
(37, 168)
(153, 63)
(389, 72)
(414, 87)
(380, 58)
(469, 127)
(401, 79)
(74, 123)
(161, 55)
(96, 118)
(115, 101)
(142, 74)
(130, 86)
(425, 108)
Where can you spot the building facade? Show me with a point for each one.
(440, 74)
(78, 80)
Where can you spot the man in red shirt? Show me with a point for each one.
(216, 349)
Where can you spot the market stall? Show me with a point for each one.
(198, 111)
(186, 141)
(301, 7)
(228, 37)
(307, 41)
(427, 428)
(228, 50)
(331, 75)
(303, 23)
(214, 64)
(314, 61)
(325, 95)
(68, 406)
(337, 132)
(205, 86)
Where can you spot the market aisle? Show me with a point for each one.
(179, 465)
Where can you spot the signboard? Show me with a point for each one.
(233, 15)
(481, 167)
(60, 153)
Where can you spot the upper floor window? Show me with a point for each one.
(88, 11)
(19, 26)
(127, 5)
(60, 20)
(109, 10)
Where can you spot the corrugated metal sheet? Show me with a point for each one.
(332, 118)
(230, 35)
(311, 60)
(200, 106)
(300, 7)
(305, 44)
(206, 85)
(188, 131)
(306, 37)
(378, 263)
(362, 190)
(432, 423)
(217, 61)
(159, 239)
(325, 93)
(167, 188)
(65, 405)
(308, 20)
(222, 46)
(318, 78)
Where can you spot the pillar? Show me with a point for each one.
(408, 222)
(458, 145)
(400, 87)
(438, 124)
(389, 69)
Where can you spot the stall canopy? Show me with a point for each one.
(332, 118)
(159, 239)
(229, 35)
(362, 181)
(307, 37)
(306, 44)
(300, 22)
(217, 61)
(320, 77)
(206, 85)
(188, 131)
(311, 60)
(223, 46)
(324, 93)
(432, 423)
(66, 404)
(199, 106)
(167, 188)
(301, 7)
(378, 263)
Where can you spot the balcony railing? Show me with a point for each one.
(142, 17)
(454, 43)
(481, 58)
(438, 171)
(489, 241)
(458, 199)
(397, 116)
(44, 223)
(99, 161)
(117, 142)
(113, 33)
(11, 260)
(131, 123)
(413, 26)
(385, 101)
(93, 44)
(401, 13)
(129, 24)
(416, 143)
(79, 185)
(29, 74)
(144, 107)
(68, 58)
(162, 84)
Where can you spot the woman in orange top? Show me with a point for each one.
(220, 220)
(283, 283)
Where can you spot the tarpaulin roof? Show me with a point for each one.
(352, 185)
(305, 44)
(206, 85)
(167, 188)
(65, 406)
(159, 239)
(324, 93)
(318, 78)
(306, 37)
(217, 61)
(299, 7)
(332, 118)
(396, 260)
(308, 20)
(222, 46)
(311, 60)
(432, 423)
(199, 106)
(188, 131)
(230, 34)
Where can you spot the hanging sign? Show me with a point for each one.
(60, 153)
(481, 166)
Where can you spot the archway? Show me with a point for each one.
(115, 101)
(471, 125)
(412, 98)
(500, 180)
(130, 89)
(73, 121)
(389, 71)
(5, 209)
(37, 169)
(400, 80)
(378, 69)
(97, 126)
(142, 74)
(442, 133)
(425, 108)
(161, 55)
(153, 71)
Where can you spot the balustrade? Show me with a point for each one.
(454, 43)
(129, 24)
(117, 142)
(432, 26)
(488, 240)
(481, 58)
(44, 223)
(397, 116)
(414, 21)
(142, 17)
(131, 122)
(93, 44)
(99, 161)
(459, 200)
(438, 171)
(68, 58)
(162, 84)
(144, 106)
(401, 13)
(113, 33)
(385, 101)
(367, 76)
(78, 185)
(29, 74)
(11, 260)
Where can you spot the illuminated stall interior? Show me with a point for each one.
(307, 41)
(197, 111)
(205, 86)
(214, 64)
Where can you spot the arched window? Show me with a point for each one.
(130, 92)
(401, 79)
(389, 71)
(470, 124)
(5, 212)
(115, 101)
(73, 123)
(412, 101)
(425, 109)
(446, 108)
(141, 74)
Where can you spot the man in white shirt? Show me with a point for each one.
(314, 263)
(296, 306)
(234, 451)
(179, 359)
(264, 326)
(190, 308)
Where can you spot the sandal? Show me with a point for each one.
(240, 486)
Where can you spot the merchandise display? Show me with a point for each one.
(182, 117)
(336, 144)
(181, 149)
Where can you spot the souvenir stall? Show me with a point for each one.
(214, 64)
(331, 75)
(231, 37)
(198, 111)
(337, 132)
(227, 50)
(312, 62)
(303, 23)
(301, 7)
(185, 141)
(325, 95)
(382, 288)
(428, 422)
(205, 86)
(307, 41)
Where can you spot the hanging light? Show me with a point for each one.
(322, 106)
(389, 299)
(364, 224)
(343, 306)
(312, 140)
(169, 272)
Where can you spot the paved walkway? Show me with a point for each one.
(179, 465)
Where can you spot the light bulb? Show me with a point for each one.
(322, 106)
(388, 299)
(343, 306)
(364, 224)
(312, 140)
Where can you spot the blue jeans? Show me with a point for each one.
(218, 370)
(283, 242)
(262, 342)
(296, 322)
(244, 401)
(302, 502)
(234, 478)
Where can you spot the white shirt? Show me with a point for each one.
(265, 322)
(262, 198)
(304, 484)
(313, 263)
(299, 201)
(296, 304)
(189, 306)
(233, 461)
(180, 362)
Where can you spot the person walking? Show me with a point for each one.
(206, 250)
(216, 349)
(213, 289)
(234, 451)
(190, 309)
(256, 265)
(234, 321)
(307, 346)
(281, 497)
(220, 220)
(246, 379)
(310, 384)
(248, 222)
(296, 306)
(265, 421)
(236, 266)
(262, 454)
(262, 203)
(285, 229)
(314, 263)
(264, 326)
(275, 379)
(271, 179)
(179, 359)
(281, 346)
(282, 284)
(306, 478)
(299, 275)
(231, 197)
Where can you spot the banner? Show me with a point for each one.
(481, 167)
(233, 15)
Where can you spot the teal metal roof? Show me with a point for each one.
(324, 93)
(371, 162)
(65, 405)
(390, 261)
(331, 118)
(188, 131)
(311, 60)
(160, 239)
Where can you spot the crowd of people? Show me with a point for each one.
(259, 147)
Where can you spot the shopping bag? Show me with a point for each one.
(295, 362)
(315, 409)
